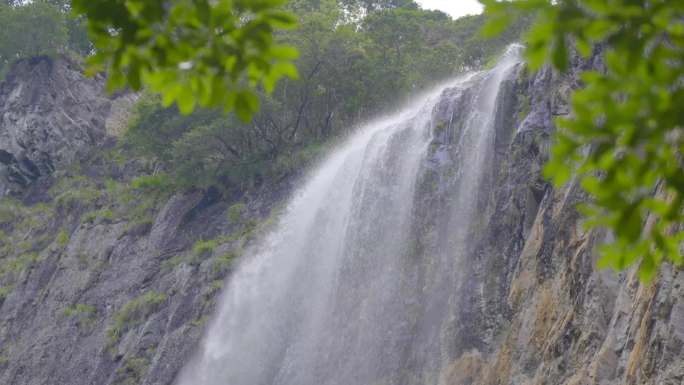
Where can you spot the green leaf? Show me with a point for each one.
(560, 54)
(284, 52)
(186, 102)
(228, 42)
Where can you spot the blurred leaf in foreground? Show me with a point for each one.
(208, 53)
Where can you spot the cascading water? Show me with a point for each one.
(359, 282)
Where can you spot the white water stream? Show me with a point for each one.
(337, 294)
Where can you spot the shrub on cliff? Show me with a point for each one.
(31, 30)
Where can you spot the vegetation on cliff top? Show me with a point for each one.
(351, 69)
(40, 27)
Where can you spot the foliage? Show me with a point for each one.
(5, 291)
(82, 313)
(34, 29)
(62, 239)
(203, 248)
(211, 53)
(132, 371)
(105, 214)
(171, 263)
(134, 313)
(351, 68)
(152, 183)
(79, 309)
(625, 140)
(235, 212)
(74, 192)
(221, 265)
(8, 211)
(18, 265)
(78, 41)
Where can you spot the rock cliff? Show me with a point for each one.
(539, 312)
(101, 284)
(50, 115)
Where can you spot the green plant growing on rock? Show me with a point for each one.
(18, 265)
(103, 215)
(17, 215)
(274, 214)
(79, 310)
(75, 192)
(63, 239)
(141, 215)
(90, 217)
(221, 265)
(106, 214)
(199, 322)
(31, 222)
(170, 264)
(24, 245)
(203, 249)
(7, 215)
(210, 292)
(159, 184)
(249, 230)
(4, 358)
(132, 371)
(5, 291)
(118, 192)
(133, 314)
(215, 287)
(84, 314)
(235, 212)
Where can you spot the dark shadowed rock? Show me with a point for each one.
(49, 116)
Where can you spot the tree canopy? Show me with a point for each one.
(350, 69)
(624, 140)
(39, 28)
(30, 30)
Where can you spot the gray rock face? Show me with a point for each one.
(120, 302)
(49, 115)
(100, 300)
(536, 309)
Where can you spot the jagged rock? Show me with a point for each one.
(543, 313)
(168, 220)
(49, 116)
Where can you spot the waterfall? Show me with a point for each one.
(359, 282)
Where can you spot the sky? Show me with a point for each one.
(456, 8)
